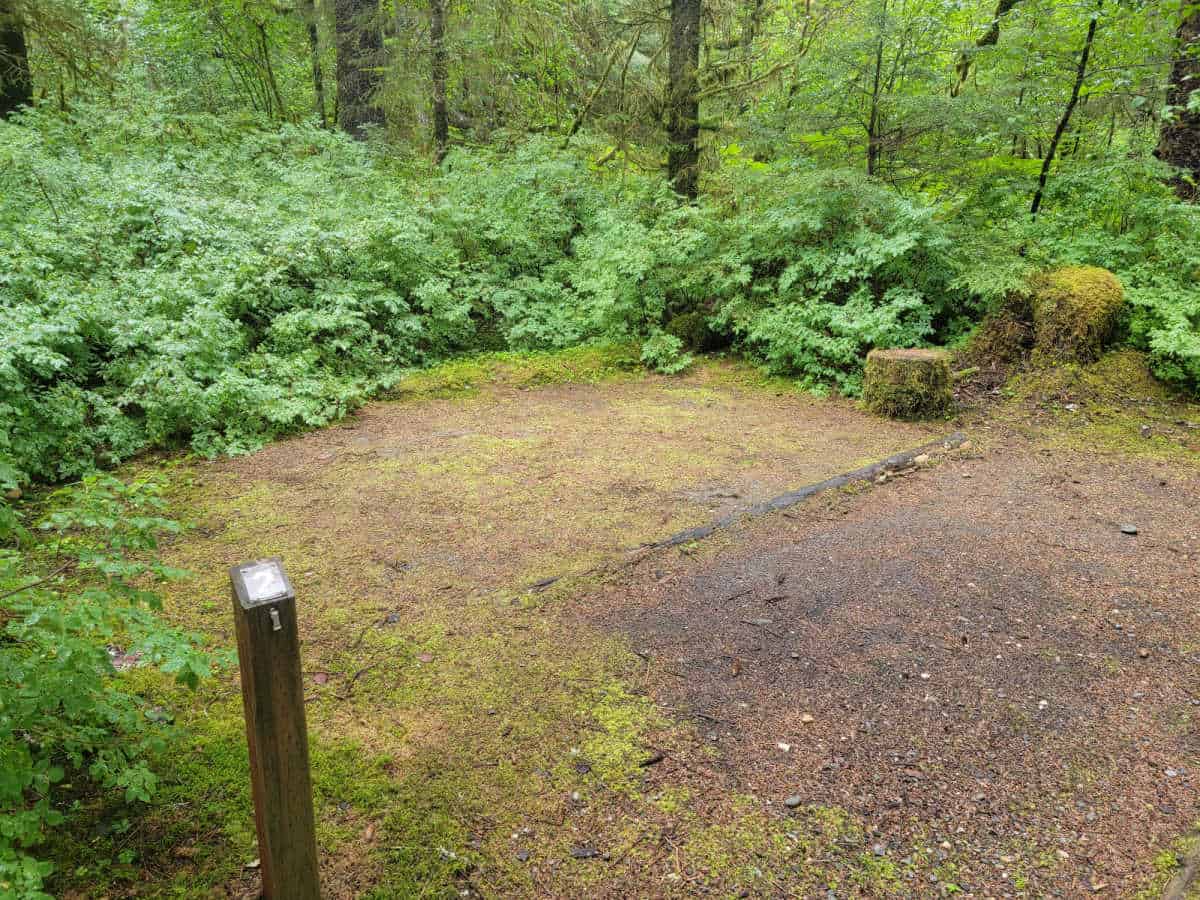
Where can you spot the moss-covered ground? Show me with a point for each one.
(468, 737)
(464, 737)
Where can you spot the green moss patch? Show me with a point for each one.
(1113, 405)
(1075, 310)
(589, 364)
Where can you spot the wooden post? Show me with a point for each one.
(264, 609)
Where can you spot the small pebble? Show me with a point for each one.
(793, 801)
(1129, 529)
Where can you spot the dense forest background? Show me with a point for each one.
(223, 220)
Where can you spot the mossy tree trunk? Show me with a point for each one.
(1075, 310)
(1179, 140)
(359, 57)
(908, 384)
(437, 41)
(991, 37)
(308, 11)
(683, 100)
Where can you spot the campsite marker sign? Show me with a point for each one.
(264, 610)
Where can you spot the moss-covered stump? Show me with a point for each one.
(1074, 311)
(908, 384)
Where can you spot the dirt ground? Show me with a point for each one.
(975, 660)
(966, 680)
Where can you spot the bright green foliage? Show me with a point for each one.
(215, 284)
(1118, 216)
(824, 266)
(65, 714)
(665, 353)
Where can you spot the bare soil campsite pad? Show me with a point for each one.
(965, 680)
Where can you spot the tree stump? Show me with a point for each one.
(1074, 311)
(908, 384)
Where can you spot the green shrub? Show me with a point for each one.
(66, 714)
(1119, 215)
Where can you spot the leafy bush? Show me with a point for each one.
(66, 713)
(1118, 215)
(214, 284)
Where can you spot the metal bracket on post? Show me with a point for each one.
(264, 610)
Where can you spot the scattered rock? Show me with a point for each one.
(523, 856)
(786, 748)
(921, 460)
(253, 864)
(793, 801)
(806, 719)
(1147, 431)
(584, 853)
(1143, 652)
(1129, 529)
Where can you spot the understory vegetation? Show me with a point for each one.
(222, 222)
(213, 283)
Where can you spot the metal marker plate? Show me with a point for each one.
(264, 583)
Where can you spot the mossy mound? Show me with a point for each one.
(908, 384)
(1003, 339)
(693, 329)
(1074, 311)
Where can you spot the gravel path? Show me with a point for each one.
(976, 659)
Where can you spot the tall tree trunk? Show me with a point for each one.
(991, 37)
(1080, 74)
(16, 85)
(308, 11)
(749, 35)
(683, 103)
(874, 125)
(359, 56)
(437, 40)
(1179, 139)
